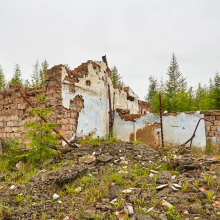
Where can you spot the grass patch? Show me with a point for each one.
(134, 143)
(90, 140)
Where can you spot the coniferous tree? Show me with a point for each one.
(67, 66)
(43, 71)
(2, 79)
(27, 83)
(152, 89)
(17, 76)
(116, 77)
(216, 91)
(175, 82)
(40, 134)
(35, 78)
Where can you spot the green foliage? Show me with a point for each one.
(17, 76)
(175, 82)
(27, 83)
(40, 135)
(43, 71)
(176, 97)
(111, 140)
(172, 214)
(38, 76)
(152, 90)
(134, 143)
(139, 171)
(70, 189)
(209, 196)
(116, 178)
(90, 140)
(2, 79)
(35, 78)
(67, 66)
(116, 77)
(18, 198)
(185, 187)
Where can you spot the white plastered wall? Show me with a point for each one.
(94, 114)
(176, 129)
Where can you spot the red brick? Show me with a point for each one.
(214, 139)
(208, 139)
(211, 133)
(216, 122)
(212, 118)
(74, 114)
(207, 128)
(213, 128)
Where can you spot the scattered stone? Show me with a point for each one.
(87, 159)
(177, 185)
(12, 187)
(105, 158)
(154, 172)
(143, 217)
(114, 191)
(124, 162)
(194, 209)
(128, 190)
(162, 186)
(162, 217)
(164, 177)
(174, 189)
(129, 208)
(167, 204)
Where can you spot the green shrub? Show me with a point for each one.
(90, 140)
(134, 143)
(40, 135)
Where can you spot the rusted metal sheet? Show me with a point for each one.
(161, 121)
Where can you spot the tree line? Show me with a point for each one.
(178, 97)
(37, 77)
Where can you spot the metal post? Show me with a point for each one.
(161, 121)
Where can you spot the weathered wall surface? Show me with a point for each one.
(212, 130)
(79, 98)
(144, 127)
(14, 110)
(91, 86)
(177, 128)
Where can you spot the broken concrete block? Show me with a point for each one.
(87, 159)
(105, 158)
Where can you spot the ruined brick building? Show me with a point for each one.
(80, 98)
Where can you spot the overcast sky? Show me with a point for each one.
(138, 36)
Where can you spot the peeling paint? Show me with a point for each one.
(177, 129)
(96, 101)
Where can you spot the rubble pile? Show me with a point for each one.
(114, 181)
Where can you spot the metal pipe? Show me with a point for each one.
(197, 127)
(161, 120)
(110, 109)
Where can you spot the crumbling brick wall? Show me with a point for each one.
(144, 107)
(212, 130)
(14, 110)
(79, 99)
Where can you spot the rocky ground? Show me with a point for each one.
(112, 181)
